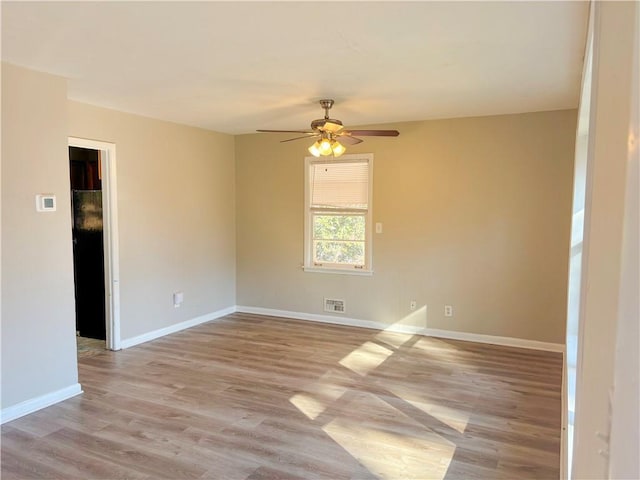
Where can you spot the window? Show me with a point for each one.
(337, 234)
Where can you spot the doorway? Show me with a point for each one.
(88, 244)
(95, 243)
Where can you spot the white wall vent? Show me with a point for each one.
(334, 305)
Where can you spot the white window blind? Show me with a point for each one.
(342, 185)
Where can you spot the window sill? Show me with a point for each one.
(339, 271)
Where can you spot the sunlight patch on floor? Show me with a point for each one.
(393, 339)
(432, 405)
(308, 405)
(321, 394)
(393, 455)
(451, 417)
(365, 358)
(411, 323)
(443, 350)
(389, 443)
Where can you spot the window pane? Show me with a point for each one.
(348, 253)
(339, 239)
(339, 227)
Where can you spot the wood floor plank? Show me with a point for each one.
(258, 397)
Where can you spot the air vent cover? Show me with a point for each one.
(334, 305)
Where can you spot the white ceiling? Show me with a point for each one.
(234, 67)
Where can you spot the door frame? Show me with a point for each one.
(110, 238)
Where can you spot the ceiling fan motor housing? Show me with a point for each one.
(321, 122)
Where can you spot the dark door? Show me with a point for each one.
(88, 246)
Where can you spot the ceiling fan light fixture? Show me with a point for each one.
(325, 147)
(315, 149)
(338, 149)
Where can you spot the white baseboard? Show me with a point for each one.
(161, 332)
(410, 329)
(29, 406)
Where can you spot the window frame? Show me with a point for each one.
(348, 269)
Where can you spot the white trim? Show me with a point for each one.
(161, 332)
(29, 406)
(340, 271)
(111, 248)
(582, 128)
(564, 421)
(410, 329)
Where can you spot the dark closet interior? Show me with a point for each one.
(88, 246)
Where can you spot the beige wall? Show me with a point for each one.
(38, 320)
(176, 195)
(476, 213)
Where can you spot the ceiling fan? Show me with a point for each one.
(330, 135)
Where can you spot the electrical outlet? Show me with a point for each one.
(448, 311)
(412, 305)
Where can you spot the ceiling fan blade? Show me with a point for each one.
(374, 133)
(299, 138)
(286, 131)
(349, 140)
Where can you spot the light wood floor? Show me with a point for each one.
(254, 397)
(88, 347)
